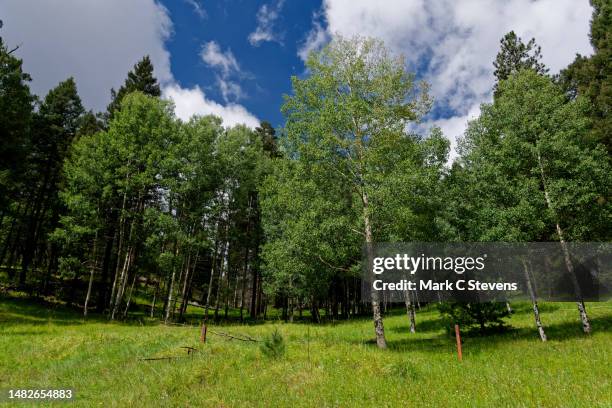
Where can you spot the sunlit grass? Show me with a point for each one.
(325, 365)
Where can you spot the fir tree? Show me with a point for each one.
(140, 78)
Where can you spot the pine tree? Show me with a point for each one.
(268, 137)
(55, 126)
(515, 55)
(15, 121)
(140, 78)
(592, 76)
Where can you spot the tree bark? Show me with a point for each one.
(410, 311)
(154, 299)
(586, 325)
(171, 289)
(106, 265)
(123, 280)
(119, 251)
(187, 284)
(129, 299)
(91, 276)
(534, 302)
(379, 328)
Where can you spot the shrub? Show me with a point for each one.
(273, 345)
(468, 315)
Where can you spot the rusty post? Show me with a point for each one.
(203, 333)
(458, 337)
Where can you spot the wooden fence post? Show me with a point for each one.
(203, 333)
(458, 337)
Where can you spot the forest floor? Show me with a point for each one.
(333, 364)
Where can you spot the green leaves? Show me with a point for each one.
(531, 140)
(346, 144)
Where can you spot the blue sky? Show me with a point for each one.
(265, 68)
(234, 58)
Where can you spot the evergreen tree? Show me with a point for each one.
(591, 76)
(55, 126)
(141, 79)
(15, 122)
(514, 55)
(268, 137)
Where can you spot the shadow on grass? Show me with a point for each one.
(15, 311)
(555, 332)
(422, 326)
(524, 308)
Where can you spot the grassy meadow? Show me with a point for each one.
(326, 365)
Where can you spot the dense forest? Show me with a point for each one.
(111, 211)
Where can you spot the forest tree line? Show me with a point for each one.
(99, 209)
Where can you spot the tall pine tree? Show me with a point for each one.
(515, 55)
(140, 78)
(592, 76)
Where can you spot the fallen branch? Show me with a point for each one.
(190, 350)
(241, 337)
(162, 358)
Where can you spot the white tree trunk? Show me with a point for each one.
(410, 311)
(169, 305)
(534, 302)
(91, 276)
(586, 325)
(379, 328)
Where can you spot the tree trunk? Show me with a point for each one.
(119, 250)
(106, 264)
(410, 311)
(379, 329)
(534, 302)
(187, 285)
(91, 276)
(171, 289)
(586, 325)
(245, 273)
(154, 299)
(129, 299)
(213, 267)
(123, 280)
(224, 271)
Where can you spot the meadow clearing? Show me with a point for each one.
(330, 364)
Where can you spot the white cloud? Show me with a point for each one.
(266, 17)
(189, 102)
(98, 42)
(453, 127)
(316, 39)
(230, 90)
(227, 66)
(197, 8)
(460, 39)
(213, 56)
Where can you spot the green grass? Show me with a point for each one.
(325, 365)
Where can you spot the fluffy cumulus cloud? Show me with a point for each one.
(453, 43)
(190, 102)
(266, 17)
(98, 42)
